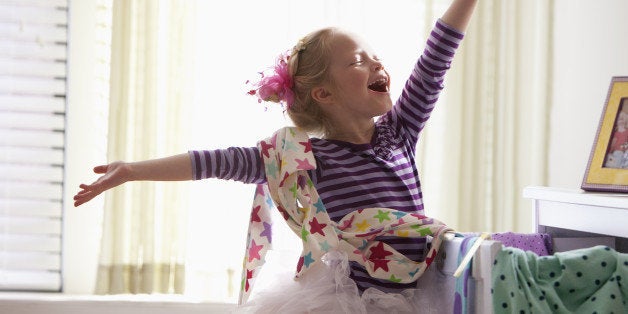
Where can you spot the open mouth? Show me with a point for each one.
(380, 85)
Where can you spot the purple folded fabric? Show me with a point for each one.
(539, 243)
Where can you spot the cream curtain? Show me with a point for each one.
(487, 139)
(143, 242)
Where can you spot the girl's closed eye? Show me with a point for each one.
(357, 62)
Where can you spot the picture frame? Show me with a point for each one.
(607, 168)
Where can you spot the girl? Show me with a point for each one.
(334, 85)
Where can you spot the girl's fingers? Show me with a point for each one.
(80, 195)
(100, 169)
(85, 189)
(82, 192)
(82, 199)
(79, 202)
(86, 193)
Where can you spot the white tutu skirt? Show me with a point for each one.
(327, 288)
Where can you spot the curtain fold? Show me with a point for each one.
(143, 241)
(487, 139)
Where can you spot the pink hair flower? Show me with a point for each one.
(275, 84)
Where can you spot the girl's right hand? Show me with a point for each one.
(113, 174)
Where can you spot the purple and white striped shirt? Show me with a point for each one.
(353, 176)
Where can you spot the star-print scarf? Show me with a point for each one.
(287, 156)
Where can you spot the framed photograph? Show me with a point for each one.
(607, 169)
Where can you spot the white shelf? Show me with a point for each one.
(601, 213)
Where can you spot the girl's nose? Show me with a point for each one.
(377, 65)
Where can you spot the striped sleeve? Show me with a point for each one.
(422, 89)
(242, 164)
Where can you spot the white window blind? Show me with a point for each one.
(33, 44)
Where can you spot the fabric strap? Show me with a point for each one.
(462, 282)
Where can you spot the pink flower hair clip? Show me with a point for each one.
(275, 83)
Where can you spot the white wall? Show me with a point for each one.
(589, 48)
(85, 147)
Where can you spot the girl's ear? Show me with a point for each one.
(322, 95)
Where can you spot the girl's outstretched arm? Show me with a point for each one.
(174, 168)
(459, 14)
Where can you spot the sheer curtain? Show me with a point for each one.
(486, 139)
(143, 244)
(235, 40)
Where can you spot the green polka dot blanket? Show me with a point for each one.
(591, 280)
(287, 156)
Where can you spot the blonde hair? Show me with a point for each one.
(308, 66)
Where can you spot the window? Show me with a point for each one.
(32, 128)
(33, 107)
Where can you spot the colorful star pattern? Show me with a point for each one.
(304, 164)
(307, 146)
(254, 251)
(363, 226)
(324, 246)
(403, 234)
(316, 227)
(249, 276)
(293, 189)
(255, 214)
(394, 279)
(271, 168)
(289, 146)
(378, 251)
(308, 260)
(425, 231)
(304, 234)
(380, 263)
(399, 214)
(320, 208)
(346, 223)
(292, 192)
(381, 215)
(265, 147)
(413, 273)
(268, 233)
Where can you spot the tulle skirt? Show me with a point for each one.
(327, 288)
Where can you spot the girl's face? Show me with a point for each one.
(359, 83)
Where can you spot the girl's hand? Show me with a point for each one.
(114, 174)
